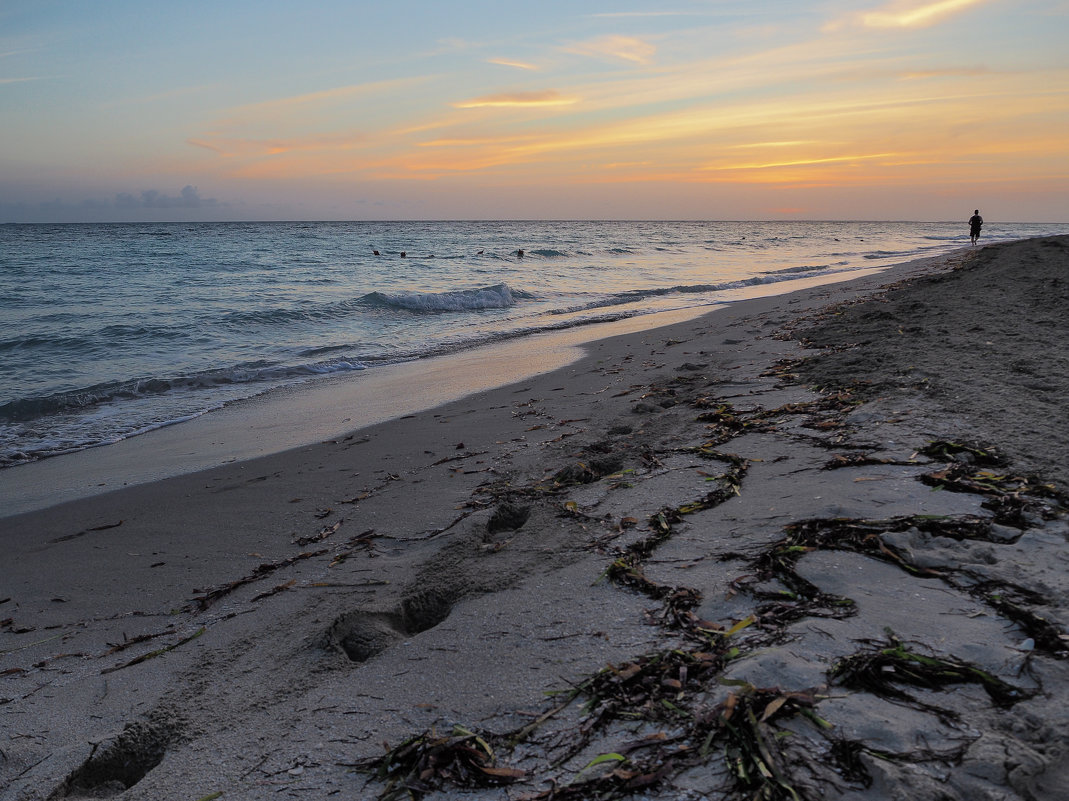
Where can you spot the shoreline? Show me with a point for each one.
(676, 504)
(328, 407)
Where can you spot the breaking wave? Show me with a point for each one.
(499, 296)
(637, 295)
(21, 410)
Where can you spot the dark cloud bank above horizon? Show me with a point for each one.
(125, 206)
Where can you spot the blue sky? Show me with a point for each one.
(896, 109)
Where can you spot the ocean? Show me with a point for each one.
(111, 330)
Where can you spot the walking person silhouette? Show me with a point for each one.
(975, 223)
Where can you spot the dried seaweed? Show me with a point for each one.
(679, 602)
(742, 729)
(1009, 497)
(969, 453)
(620, 783)
(212, 594)
(840, 460)
(1047, 636)
(651, 687)
(153, 654)
(723, 421)
(587, 472)
(320, 535)
(751, 747)
(129, 642)
(843, 534)
(671, 688)
(882, 669)
(429, 762)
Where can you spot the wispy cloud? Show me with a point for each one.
(19, 80)
(207, 146)
(627, 14)
(806, 110)
(914, 15)
(615, 48)
(504, 62)
(232, 147)
(906, 14)
(954, 72)
(476, 141)
(547, 97)
(805, 162)
(285, 106)
(677, 143)
(786, 143)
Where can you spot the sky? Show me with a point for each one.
(127, 110)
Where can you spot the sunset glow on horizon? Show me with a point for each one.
(894, 109)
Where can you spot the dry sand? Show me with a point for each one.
(734, 586)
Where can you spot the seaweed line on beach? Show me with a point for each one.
(669, 688)
(648, 720)
(653, 686)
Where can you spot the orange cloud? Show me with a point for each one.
(804, 162)
(547, 97)
(626, 165)
(616, 127)
(474, 141)
(791, 143)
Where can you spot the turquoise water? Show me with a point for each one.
(109, 330)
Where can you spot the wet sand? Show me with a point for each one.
(727, 579)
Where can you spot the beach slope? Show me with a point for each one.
(805, 546)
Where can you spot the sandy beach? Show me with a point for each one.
(809, 546)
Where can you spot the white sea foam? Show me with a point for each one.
(499, 296)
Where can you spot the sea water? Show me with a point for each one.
(110, 330)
